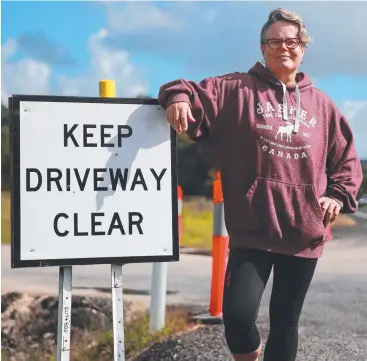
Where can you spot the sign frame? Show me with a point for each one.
(15, 163)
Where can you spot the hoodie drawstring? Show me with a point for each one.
(298, 107)
(285, 104)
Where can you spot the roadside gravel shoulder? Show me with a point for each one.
(207, 343)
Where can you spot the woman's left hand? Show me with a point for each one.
(330, 208)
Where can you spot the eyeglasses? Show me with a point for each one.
(291, 43)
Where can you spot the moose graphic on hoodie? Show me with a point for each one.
(287, 130)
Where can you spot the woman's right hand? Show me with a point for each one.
(178, 114)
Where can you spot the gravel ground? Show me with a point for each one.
(333, 327)
(208, 344)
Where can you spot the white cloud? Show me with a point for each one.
(337, 30)
(356, 113)
(8, 49)
(29, 76)
(105, 64)
(351, 108)
(134, 16)
(217, 37)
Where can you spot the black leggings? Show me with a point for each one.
(246, 277)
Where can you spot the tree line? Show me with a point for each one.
(197, 163)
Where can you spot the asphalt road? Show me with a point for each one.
(333, 324)
(189, 279)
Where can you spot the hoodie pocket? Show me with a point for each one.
(285, 211)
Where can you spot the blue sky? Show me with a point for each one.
(66, 47)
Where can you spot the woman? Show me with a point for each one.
(288, 167)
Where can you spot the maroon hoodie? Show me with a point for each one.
(280, 149)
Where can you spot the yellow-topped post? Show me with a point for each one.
(107, 89)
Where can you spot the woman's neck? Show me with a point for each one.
(288, 79)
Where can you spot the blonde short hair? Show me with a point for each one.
(281, 14)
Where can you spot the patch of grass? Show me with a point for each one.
(343, 221)
(137, 336)
(197, 224)
(5, 217)
(99, 346)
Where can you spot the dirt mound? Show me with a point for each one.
(30, 323)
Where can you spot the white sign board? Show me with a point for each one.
(94, 181)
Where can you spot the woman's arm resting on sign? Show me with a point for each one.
(190, 106)
(178, 115)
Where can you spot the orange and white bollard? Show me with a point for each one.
(219, 257)
(219, 250)
(179, 196)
